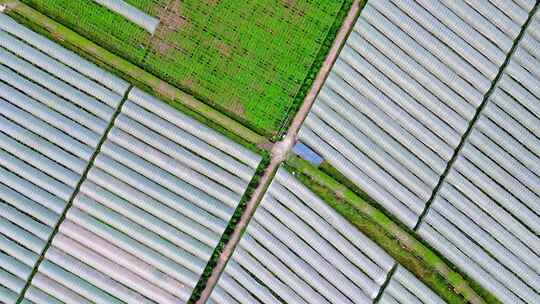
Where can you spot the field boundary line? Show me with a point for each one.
(386, 282)
(75, 192)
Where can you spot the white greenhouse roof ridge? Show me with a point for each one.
(297, 249)
(131, 13)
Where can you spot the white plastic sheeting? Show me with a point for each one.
(63, 55)
(153, 207)
(398, 101)
(58, 69)
(297, 249)
(151, 211)
(405, 288)
(49, 130)
(402, 94)
(486, 215)
(131, 13)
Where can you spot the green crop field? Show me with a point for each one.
(246, 58)
(97, 23)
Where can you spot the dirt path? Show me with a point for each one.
(343, 33)
(280, 151)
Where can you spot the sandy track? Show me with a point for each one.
(280, 150)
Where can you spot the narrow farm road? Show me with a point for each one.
(280, 150)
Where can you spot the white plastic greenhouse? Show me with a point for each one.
(131, 13)
(399, 100)
(486, 214)
(151, 211)
(52, 117)
(297, 249)
(154, 203)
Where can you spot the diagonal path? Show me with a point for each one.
(281, 149)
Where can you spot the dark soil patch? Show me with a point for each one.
(289, 3)
(224, 49)
(171, 19)
(188, 83)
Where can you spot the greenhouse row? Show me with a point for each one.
(149, 190)
(398, 117)
(131, 13)
(297, 249)
(486, 215)
(53, 116)
(400, 98)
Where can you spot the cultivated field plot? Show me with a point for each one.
(247, 58)
(99, 24)
(54, 111)
(403, 92)
(486, 215)
(297, 249)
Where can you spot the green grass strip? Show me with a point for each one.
(158, 86)
(396, 240)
